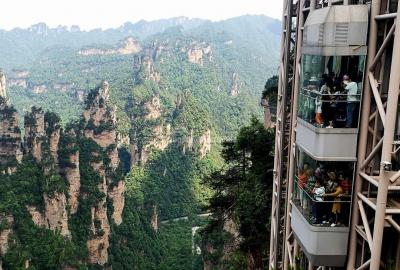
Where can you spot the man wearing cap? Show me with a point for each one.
(352, 97)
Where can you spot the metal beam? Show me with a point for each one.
(388, 137)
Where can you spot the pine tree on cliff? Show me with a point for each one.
(241, 202)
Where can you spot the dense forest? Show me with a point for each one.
(181, 104)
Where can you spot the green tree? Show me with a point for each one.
(242, 194)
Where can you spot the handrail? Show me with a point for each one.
(321, 94)
(323, 201)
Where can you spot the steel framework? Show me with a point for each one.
(376, 203)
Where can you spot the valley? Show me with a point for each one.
(107, 137)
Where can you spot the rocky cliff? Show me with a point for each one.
(10, 134)
(197, 144)
(19, 78)
(234, 90)
(268, 123)
(35, 134)
(152, 123)
(6, 222)
(3, 92)
(100, 121)
(143, 66)
(80, 170)
(191, 135)
(198, 53)
(126, 46)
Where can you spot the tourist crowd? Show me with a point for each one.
(325, 194)
(331, 101)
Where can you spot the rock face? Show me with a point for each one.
(39, 89)
(144, 69)
(71, 171)
(3, 92)
(117, 197)
(204, 143)
(100, 123)
(10, 137)
(7, 221)
(35, 134)
(154, 218)
(127, 46)
(55, 216)
(199, 145)
(191, 138)
(56, 213)
(198, 53)
(19, 78)
(161, 131)
(58, 154)
(235, 85)
(98, 243)
(268, 123)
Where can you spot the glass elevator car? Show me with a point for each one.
(332, 71)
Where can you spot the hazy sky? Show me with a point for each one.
(102, 13)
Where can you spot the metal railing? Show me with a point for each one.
(322, 210)
(336, 110)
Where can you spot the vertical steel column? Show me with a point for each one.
(362, 139)
(296, 73)
(275, 240)
(390, 124)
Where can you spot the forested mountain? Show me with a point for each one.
(171, 91)
(20, 47)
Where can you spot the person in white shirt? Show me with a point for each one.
(318, 192)
(352, 99)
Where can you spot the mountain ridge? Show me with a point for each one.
(20, 46)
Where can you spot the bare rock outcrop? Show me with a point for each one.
(268, 123)
(3, 91)
(144, 68)
(39, 89)
(100, 118)
(71, 171)
(161, 131)
(197, 144)
(55, 215)
(100, 123)
(37, 217)
(35, 134)
(190, 138)
(234, 90)
(19, 78)
(98, 243)
(204, 143)
(154, 218)
(117, 197)
(54, 140)
(10, 137)
(127, 46)
(198, 53)
(7, 222)
(56, 218)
